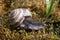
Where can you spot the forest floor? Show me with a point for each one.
(37, 7)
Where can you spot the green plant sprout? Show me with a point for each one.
(50, 4)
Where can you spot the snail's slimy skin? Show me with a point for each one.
(32, 24)
(19, 17)
(35, 27)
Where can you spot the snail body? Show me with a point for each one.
(22, 17)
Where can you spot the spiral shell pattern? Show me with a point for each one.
(17, 16)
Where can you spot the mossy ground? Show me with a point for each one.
(37, 7)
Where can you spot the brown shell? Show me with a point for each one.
(17, 16)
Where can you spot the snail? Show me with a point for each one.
(22, 17)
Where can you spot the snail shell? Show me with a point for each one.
(17, 16)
